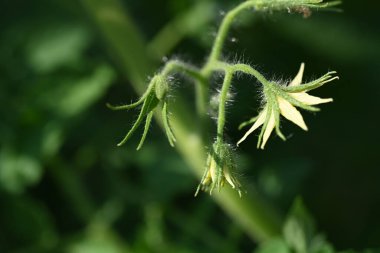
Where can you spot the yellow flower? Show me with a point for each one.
(282, 100)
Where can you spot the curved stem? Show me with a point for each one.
(240, 67)
(201, 85)
(175, 65)
(225, 27)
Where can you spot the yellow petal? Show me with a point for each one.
(307, 99)
(228, 177)
(260, 120)
(268, 130)
(291, 113)
(207, 179)
(298, 79)
(213, 170)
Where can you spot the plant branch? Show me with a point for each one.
(255, 216)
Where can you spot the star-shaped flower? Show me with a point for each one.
(283, 100)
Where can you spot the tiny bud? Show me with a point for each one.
(161, 87)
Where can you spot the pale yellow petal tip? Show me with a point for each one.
(268, 130)
(291, 113)
(260, 120)
(301, 124)
(307, 99)
(240, 141)
(298, 78)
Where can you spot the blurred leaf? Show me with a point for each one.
(181, 26)
(299, 234)
(25, 223)
(320, 245)
(274, 246)
(98, 239)
(74, 96)
(51, 138)
(56, 47)
(17, 171)
(299, 227)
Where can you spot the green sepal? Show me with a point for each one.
(202, 186)
(168, 130)
(161, 87)
(149, 104)
(248, 122)
(135, 104)
(146, 129)
(267, 117)
(311, 85)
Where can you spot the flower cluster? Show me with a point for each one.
(155, 96)
(219, 168)
(279, 99)
(283, 99)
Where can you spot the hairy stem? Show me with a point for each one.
(224, 28)
(178, 66)
(222, 104)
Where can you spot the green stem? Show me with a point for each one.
(222, 104)
(178, 66)
(224, 28)
(240, 67)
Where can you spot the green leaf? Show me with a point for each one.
(72, 96)
(79, 95)
(274, 246)
(17, 171)
(168, 130)
(320, 245)
(299, 228)
(57, 47)
(98, 239)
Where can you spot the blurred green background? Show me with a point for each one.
(65, 187)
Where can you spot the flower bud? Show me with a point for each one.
(161, 87)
